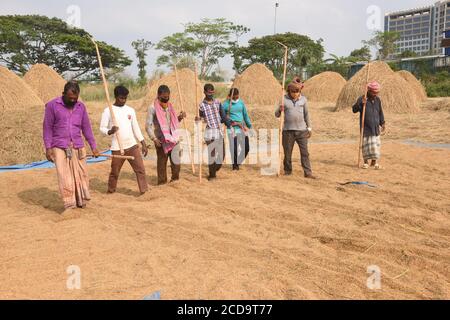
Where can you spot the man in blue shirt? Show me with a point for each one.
(241, 124)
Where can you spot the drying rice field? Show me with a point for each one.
(245, 236)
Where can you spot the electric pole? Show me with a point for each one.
(275, 23)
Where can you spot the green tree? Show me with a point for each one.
(142, 46)
(384, 42)
(179, 47)
(339, 64)
(214, 35)
(334, 59)
(362, 54)
(30, 39)
(209, 41)
(303, 52)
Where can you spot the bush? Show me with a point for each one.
(95, 91)
(438, 85)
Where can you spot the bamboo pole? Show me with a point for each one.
(114, 156)
(282, 116)
(105, 86)
(225, 136)
(184, 121)
(361, 137)
(199, 124)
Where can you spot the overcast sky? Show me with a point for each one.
(342, 24)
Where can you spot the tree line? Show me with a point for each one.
(29, 39)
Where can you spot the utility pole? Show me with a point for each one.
(275, 23)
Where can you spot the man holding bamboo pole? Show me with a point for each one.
(239, 129)
(372, 124)
(212, 111)
(296, 127)
(66, 121)
(105, 86)
(162, 126)
(130, 132)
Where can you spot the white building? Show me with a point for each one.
(421, 29)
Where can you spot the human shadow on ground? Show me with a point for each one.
(43, 197)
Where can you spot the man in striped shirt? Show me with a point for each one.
(212, 112)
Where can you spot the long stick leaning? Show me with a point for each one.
(280, 133)
(105, 85)
(225, 135)
(361, 137)
(184, 121)
(200, 131)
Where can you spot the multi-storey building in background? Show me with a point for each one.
(422, 29)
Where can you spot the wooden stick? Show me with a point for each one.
(113, 156)
(361, 137)
(225, 135)
(280, 133)
(200, 131)
(367, 250)
(184, 121)
(401, 275)
(105, 85)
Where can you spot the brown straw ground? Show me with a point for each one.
(275, 238)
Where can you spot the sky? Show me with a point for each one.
(342, 24)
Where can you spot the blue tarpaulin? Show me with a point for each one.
(45, 164)
(359, 183)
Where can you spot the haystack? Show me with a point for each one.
(15, 93)
(324, 87)
(45, 82)
(187, 83)
(258, 86)
(415, 84)
(395, 93)
(22, 136)
(263, 117)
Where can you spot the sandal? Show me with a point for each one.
(377, 167)
(365, 166)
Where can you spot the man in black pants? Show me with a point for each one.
(297, 127)
(241, 127)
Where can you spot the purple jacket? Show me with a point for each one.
(63, 125)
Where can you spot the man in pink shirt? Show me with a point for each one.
(66, 121)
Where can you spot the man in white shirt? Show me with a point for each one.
(129, 134)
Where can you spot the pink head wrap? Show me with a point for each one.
(374, 86)
(296, 84)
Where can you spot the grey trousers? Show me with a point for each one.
(289, 140)
(216, 155)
